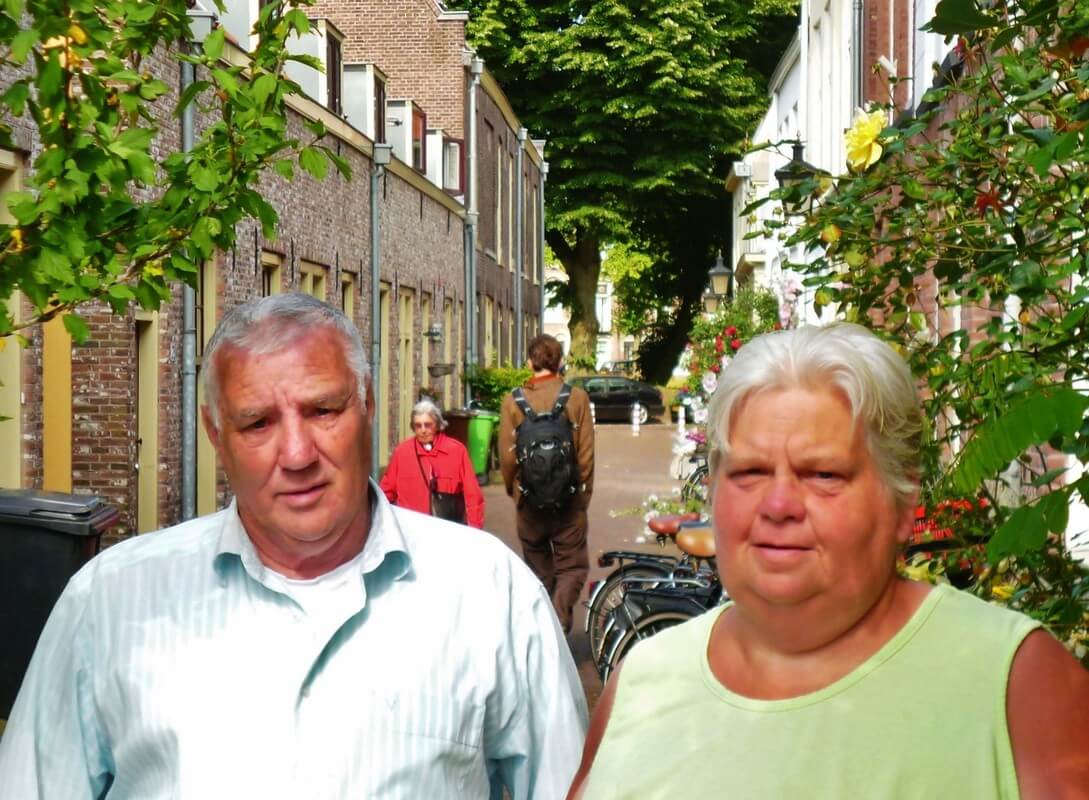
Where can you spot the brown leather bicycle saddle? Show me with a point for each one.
(697, 542)
(670, 524)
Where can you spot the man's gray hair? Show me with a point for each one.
(269, 324)
(428, 408)
(871, 375)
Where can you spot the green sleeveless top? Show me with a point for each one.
(924, 717)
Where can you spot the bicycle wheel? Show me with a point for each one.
(695, 485)
(644, 628)
(610, 595)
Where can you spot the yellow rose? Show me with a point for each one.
(1002, 591)
(863, 149)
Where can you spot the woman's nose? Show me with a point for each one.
(781, 500)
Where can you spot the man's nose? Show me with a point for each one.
(782, 499)
(297, 450)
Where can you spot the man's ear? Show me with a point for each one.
(368, 405)
(209, 427)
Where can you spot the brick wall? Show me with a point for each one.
(326, 223)
(419, 52)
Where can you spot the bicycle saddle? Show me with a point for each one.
(697, 542)
(669, 524)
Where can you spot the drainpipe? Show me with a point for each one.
(520, 257)
(856, 67)
(201, 22)
(189, 345)
(381, 157)
(541, 241)
(476, 69)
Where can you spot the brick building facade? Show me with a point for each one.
(105, 417)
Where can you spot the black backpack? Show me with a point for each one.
(545, 446)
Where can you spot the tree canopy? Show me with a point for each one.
(643, 105)
(102, 215)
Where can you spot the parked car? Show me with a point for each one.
(628, 367)
(613, 397)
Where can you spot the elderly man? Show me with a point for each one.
(309, 641)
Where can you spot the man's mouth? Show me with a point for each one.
(300, 498)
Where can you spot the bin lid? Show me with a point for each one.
(77, 514)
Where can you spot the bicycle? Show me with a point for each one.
(606, 594)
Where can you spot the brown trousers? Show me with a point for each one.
(554, 547)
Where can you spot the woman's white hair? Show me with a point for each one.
(269, 324)
(428, 408)
(873, 378)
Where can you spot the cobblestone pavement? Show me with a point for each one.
(627, 469)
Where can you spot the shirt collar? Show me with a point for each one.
(385, 550)
(439, 445)
(533, 381)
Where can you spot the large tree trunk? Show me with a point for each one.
(582, 263)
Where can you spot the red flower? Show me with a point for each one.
(735, 343)
(778, 326)
(988, 199)
(718, 344)
(731, 331)
(920, 512)
(715, 368)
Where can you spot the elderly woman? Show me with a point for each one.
(430, 472)
(829, 676)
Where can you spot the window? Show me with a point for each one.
(379, 110)
(11, 385)
(333, 66)
(510, 212)
(419, 140)
(312, 279)
(499, 203)
(453, 167)
(347, 295)
(270, 273)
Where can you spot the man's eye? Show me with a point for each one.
(257, 425)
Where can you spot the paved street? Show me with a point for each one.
(627, 469)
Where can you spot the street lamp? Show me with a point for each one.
(792, 178)
(722, 279)
(721, 287)
(710, 302)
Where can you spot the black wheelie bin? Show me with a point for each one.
(45, 537)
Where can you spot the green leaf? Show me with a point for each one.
(190, 93)
(227, 82)
(213, 43)
(203, 178)
(263, 87)
(1031, 420)
(15, 98)
(1004, 38)
(284, 167)
(76, 327)
(1024, 531)
(14, 9)
(342, 165)
(22, 43)
(953, 17)
(914, 190)
(312, 160)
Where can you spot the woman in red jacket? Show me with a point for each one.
(431, 460)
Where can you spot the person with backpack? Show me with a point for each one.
(546, 453)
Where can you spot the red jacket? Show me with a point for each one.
(448, 461)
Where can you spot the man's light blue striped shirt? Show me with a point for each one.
(175, 666)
